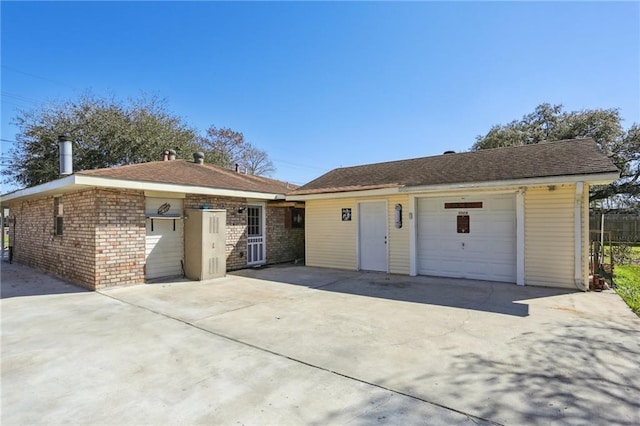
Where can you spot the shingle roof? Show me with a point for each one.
(183, 172)
(561, 158)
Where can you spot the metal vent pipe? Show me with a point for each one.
(66, 154)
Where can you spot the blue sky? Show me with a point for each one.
(323, 85)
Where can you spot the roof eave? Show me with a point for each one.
(78, 182)
(591, 179)
(344, 194)
(53, 187)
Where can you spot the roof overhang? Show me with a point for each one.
(591, 179)
(79, 182)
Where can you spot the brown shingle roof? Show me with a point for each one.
(561, 158)
(183, 172)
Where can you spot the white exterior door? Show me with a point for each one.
(255, 235)
(164, 243)
(372, 231)
(467, 237)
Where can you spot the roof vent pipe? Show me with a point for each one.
(66, 154)
(165, 155)
(237, 168)
(172, 154)
(198, 157)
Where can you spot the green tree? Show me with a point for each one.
(227, 147)
(550, 122)
(105, 133)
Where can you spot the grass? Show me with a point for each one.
(635, 253)
(627, 283)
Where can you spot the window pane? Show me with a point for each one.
(254, 221)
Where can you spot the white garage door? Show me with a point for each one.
(164, 242)
(468, 237)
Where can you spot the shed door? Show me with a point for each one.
(467, 237)
(164, 238)
(372, 231)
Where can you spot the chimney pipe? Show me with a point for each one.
(237, 168)
(172, 154)
(165, 155)
(198, 157)
(66, 154)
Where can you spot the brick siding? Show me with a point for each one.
(284, 244)
(35, 244)
(120, 237)
(103, 241)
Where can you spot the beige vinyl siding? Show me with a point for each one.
(332, 243)
(549, 247)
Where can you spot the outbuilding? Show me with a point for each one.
(130, 224)
(517, 214)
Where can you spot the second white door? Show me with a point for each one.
(372, 231)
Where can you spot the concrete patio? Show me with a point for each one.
(300, 345)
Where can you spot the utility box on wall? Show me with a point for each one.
(205, 244)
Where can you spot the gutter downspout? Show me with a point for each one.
(577, 237)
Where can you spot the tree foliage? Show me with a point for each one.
(228, 147)
(550, 122)
(106, 132)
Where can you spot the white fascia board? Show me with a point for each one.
(509, 185)
(77, 182)
(55, 186)
(596, 179)
(172, 188)
(346, 194)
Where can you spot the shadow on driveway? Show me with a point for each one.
(486, 296)
(20, 281)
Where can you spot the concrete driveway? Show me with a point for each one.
(300, 345)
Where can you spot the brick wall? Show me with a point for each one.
(284, 244)
(236, 225)
(71, 255)
(119, 237)
(103, 241)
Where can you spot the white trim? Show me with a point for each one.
(345, 194)
(156, 194)
(168, 187)
(520, 236)
(45, 188)
(577, 237)
(78, 182)
(413, 230)
(595, 179)
(509, 185)
(386, 231)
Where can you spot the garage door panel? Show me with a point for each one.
(487, 252)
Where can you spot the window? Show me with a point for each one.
(254, 221)
(58, 213)
(297, 218)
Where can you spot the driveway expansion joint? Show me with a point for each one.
(471, 417)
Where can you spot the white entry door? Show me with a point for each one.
(372, 228)
(255, 235)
